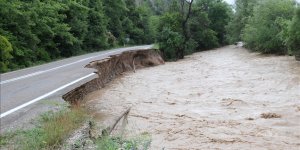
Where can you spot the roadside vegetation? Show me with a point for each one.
(266, 26)
(190, 26)
(141, 142)
(37, 31)
(53, 128)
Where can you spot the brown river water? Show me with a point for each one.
(226, 98)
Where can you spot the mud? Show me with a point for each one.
(210, 100)
(270, 115)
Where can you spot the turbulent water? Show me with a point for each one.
(226, 98)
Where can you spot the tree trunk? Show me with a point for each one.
(180, 53)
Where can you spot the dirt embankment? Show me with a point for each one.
(111, 67)
(220, 99)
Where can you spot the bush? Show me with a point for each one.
(6, 49)
(170, 42)
(51, 131)
(264, 30)
(294, 34)
(142, 141)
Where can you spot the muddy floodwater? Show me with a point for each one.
(226, 98)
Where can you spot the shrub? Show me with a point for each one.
(294, 34)
(54, 127)
(263, 31)
(170, 42)
(6, 49)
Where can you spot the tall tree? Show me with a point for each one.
(96, 38)
(263, 30)
(5, 49)
(77, 19)
(115, 9)
(294, 34)
(185, 14)
(243, 11)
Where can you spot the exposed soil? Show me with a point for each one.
(209, 100)
(111, 67)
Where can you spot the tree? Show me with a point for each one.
(185, 18)
(243, 11)
(294, 34)
(16, 25)
(207, 23)
(219, 14)
(77, 19)
(6, 49)
(115, 10)
(96, 38)
(263, 30)
(171, 38)
(171, 43)
(175, 23)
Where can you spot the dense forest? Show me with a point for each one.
(37, 31)
(267, 26)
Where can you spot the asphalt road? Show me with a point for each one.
(27, 93)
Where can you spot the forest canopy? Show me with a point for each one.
(38, 31)
(266, 26)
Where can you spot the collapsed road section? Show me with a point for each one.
(111, 67)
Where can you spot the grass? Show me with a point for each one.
(141, 142)
(156, 46)
(53, 128)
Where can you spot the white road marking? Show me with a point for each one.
(55, 68)
(43, 96)
(45, 71)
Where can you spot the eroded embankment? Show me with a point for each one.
(111, 67)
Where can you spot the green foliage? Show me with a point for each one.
(76, 17)
(170, 43)
(200, 27)
(205, 27)
(53, 128)
(263, 31)
(96, 38)
(294, 34)
(112, 143)
(218, 16)
(171, 38)
(171, 21)
(153, 28)
(243, 10)
(44, 30)
(6, 49)
(107, 143)
(265, 26)
(115, 10)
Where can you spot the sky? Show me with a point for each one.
(231, 2)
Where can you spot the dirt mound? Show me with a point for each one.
(111, 67)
